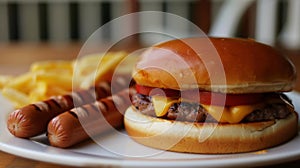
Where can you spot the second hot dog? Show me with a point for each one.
(70, 128)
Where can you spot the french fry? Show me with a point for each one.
(47, 66)
(109, 65)
(103, 68)
(18, 98)
(63, 80)
(4, 79)
(127, 64)
(38, 92)
(22, 83)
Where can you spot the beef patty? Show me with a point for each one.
(194, 112)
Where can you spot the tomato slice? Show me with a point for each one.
(204, 97)
(150, 91)
(210, 98)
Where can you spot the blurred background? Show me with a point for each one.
(274, 22)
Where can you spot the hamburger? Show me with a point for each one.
(211, 96)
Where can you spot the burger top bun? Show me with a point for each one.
(228, 65)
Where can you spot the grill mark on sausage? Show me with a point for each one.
(102, 89)
(95, 108)
(42, 106)
(100, 105)
(106, 105)
(36, 107)
(73, 114)
(77, 99)
(64, 101)
(86, 96)
(82, 112)
(56, 103)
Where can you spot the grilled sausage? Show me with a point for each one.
(69, 128)
(33, 119)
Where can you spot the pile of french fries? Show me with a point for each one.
(57, 77)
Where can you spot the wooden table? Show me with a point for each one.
(16, 58)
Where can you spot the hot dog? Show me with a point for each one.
(33, 119)
(66, 129)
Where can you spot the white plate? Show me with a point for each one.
(116, 149)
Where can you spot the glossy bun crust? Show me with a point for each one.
(208, 138)
(228, 65)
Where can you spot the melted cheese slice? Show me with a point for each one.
(232, 115)
(162, 104)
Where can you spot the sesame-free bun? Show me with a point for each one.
(228, 65)
(208, 138)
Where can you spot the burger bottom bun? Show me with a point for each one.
(208, 138)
